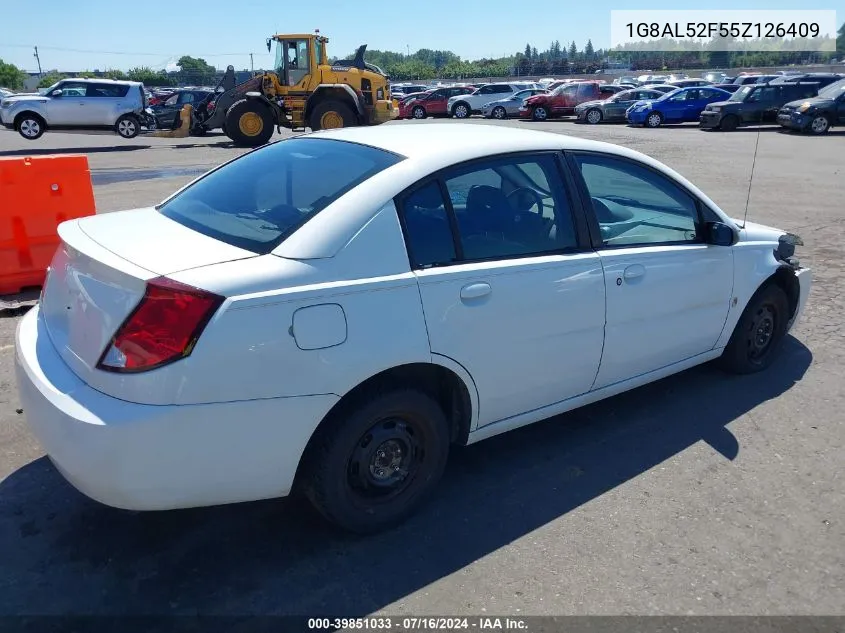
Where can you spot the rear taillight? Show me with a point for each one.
(163, 327)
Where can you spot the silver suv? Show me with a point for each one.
(78, 104)
(463, 106)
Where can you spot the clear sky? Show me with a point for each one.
(98, 34)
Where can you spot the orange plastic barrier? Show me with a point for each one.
(36, 194)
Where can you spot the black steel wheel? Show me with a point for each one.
(374, 462)
(759, 333)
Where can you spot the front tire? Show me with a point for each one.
(653, 120)
(819, 125)
(128, 126)
(30, 126)
(729, 123)
(330, 115)
(249, 123)
(499, 113)
(418, 112)
(593, 116)
(461, 110)
(759, 334)
(372, 464)
(540, 113)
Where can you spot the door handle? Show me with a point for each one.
(634, 271)
(476, 291)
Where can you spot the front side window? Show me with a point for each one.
(636, 206)
(259, 199)
(73, 88)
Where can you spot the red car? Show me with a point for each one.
(432, 102)
(563, 99)
(406, 101)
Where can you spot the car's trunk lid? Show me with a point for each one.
(99, 274)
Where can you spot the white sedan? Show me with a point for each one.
(330, 313)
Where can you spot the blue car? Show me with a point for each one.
(678, 106)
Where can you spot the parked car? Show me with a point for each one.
(404, 104)
(434, 102)
(685, 104)
(508, 107)
(463, 106)
(613, 109)
(166, 113)
(400, 91)
(632, 81)
(5, 92)
(664, 88)
(743, 80)
(821, 79)
(715, 77)
(818, 114)
(379, 288)
(728, 87)
(689, 83)
(753, 104)
(78, 104)
(562, 100)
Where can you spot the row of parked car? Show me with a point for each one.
(807, 102)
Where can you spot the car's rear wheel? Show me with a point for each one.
(593, 116)
(375, 461)
(820, 124)
(461, 111)
(30, 126)
(729, 123)
(759, 333)
(540, 113)
(499, 113)
(655, 119)
(127, 126)
(418, 112)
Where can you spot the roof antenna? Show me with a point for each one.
(750, 180)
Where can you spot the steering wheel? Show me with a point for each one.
(523, 199)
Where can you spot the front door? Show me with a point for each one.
(668, 292)
(511, 294)
(69, 108)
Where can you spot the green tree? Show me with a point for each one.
(840, 40)
(534, 54)
(50, 78)
(115, 74)
(150, 77)
(573, 51)
(196, 70)
(11, 76)
(527, 52)
(589, 53)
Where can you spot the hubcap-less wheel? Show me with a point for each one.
(653, 120)
(499, 113)
(593, 116)
(30, 128)
(250, 124)
(331, 120)
(759, 335)
(385, 460)
(419, 113)
(819, 125)
(461, 111)
(126, 128)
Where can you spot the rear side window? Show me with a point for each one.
(107, 90)
(258, 200)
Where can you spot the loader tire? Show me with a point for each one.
(249, 123)
(331, 114)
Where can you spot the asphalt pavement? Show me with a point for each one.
(700, 494)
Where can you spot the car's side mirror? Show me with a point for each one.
(720, 234)
(56, 93)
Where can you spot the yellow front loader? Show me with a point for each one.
(303, 90)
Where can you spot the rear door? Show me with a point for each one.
(105, 101)
(509, 289)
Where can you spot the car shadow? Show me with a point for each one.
(41, 151)
(65, 554)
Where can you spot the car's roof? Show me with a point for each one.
(102, 80)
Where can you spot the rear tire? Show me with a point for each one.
(373, 463)
(249, 123)
(127, 126)
(328, 115)
(729, 123)
(30, 126)
(759, 333)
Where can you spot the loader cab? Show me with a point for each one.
(297, 56)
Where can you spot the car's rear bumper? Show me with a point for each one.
(146, 457)
(709, 119)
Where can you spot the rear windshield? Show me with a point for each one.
(258, 200)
